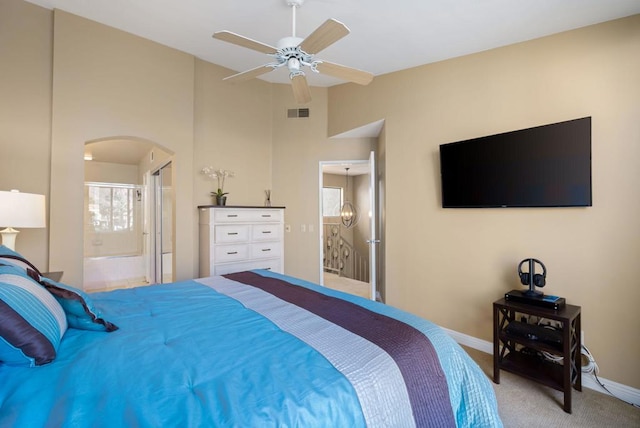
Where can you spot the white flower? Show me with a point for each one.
(218, 174)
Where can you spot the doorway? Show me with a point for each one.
(348, 260)
(120, 212)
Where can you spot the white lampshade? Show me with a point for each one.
(24, 210)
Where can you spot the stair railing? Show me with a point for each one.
(340, 257)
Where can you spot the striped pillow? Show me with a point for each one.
(77, 305)
(32, 322)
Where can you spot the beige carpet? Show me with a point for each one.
(348, 285)
(523, 403)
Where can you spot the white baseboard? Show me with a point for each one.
(623, 392)
(470, 341)
(618, 390)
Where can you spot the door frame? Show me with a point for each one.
(373, 182)
(155, 221)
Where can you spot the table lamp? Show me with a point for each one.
(24, 210)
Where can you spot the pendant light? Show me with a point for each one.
(348, 212)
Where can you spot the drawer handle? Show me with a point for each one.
(266, 249)
(232, 215)
(232, 233)
(266, 215)
(232, 252)
(266, 231)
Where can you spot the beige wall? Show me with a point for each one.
(107, 172)
(232, 132)
(25, 111)
(298, 147)
(362, 202)
(449, 265)
(107, 83)
(145, 165)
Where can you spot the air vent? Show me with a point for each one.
(297, 112)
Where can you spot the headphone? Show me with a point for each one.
(532, 278)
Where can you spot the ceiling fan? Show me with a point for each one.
(296, 53)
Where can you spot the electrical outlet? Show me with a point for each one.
(303, 228)
(310, 228)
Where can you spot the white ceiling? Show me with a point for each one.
(386, 35)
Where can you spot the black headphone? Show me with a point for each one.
(532, 278)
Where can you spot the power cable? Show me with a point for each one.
(589, 366)
(592, 367)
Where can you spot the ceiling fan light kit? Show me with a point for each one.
(296, 53)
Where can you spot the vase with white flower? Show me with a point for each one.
(219, 196)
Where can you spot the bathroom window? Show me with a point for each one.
(111, 207)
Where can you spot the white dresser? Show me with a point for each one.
(235, 239)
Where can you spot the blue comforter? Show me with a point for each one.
(216, 353)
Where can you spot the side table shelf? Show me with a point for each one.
(55, 276)
(520, 354)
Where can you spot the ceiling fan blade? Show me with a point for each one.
(249, 74)
(301, 91)
(324, 36)
(345, 73)
(243, 41)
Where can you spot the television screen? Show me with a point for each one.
(544, 166)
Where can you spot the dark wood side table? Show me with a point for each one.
(513, 353)
(54, 276)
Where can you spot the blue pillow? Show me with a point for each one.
(76, 304)
(78, 307)
(6, 250)
(8, 256)
(32, 322)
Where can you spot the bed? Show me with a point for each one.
(251, 349)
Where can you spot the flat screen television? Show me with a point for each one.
(544, 166)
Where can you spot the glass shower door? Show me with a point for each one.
(163, 224)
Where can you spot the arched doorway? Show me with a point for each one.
(126, 210)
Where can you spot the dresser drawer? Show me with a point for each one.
(232, 233)
(265, 232)
(266, 215)
(230, 253)
(230, 215)
(265, 250)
